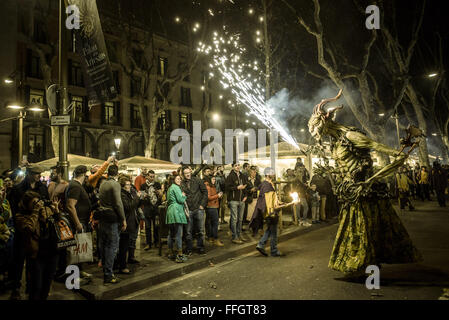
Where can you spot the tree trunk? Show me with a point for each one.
(423, 151)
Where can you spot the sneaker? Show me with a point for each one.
(125, 271)
(218, 243)
(242, 239)
(180, 258)
(262, 251)
(237, 241)
(171, 256)
(112, 280)
(148, 247)
(188, 253)
(84, 274)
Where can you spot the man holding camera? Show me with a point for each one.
(152, 198)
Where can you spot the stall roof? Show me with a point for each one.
(74, 160)
(150, 163)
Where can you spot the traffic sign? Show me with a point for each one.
(60, 120)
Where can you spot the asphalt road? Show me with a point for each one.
(303, 272)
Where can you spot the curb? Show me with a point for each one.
(141, 282)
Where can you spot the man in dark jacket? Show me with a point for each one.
(324, 188)
(31, 182)
(439, 181)
(196, 193)
(236, 184)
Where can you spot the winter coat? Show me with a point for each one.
(175, 210)
(31, 224)
(130, 202)
(212, 196)
(196, 193)
(232, 182)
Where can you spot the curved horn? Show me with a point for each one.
(329, 113)
(325, 101)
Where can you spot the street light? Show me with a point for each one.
(381, 114)
(117, 142)
(215, 117)
(432, 75)
(8, 80)
(434, 134)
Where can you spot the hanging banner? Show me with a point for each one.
(91, 47)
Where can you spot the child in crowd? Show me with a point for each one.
(315, 203)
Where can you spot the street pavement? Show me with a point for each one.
(303, 272)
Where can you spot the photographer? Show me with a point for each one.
(152, 198)
(40, 248)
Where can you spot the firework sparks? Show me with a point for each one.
(245, 86)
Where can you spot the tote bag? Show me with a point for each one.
(82, 251)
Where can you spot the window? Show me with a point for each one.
(136, 121)
(164, 123)
(33, 65)
(135, 86)
(39, 33)
(139, 58)
(116, 76)
(186, 100)
(185, 121)
(75, 74)
(80, 111)
(76, 145)
(162, 66)
(111, 113)
(36, 147)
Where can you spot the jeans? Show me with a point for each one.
(133, 238)
(212, 226)
(270, 232)
(175, 232)
(122, 250)
(302, 203)
(151, 221)
(109, 240)
(237, 209)
(315, 213)
(43, 270)
(195, 227)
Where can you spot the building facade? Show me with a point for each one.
(92, 131)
